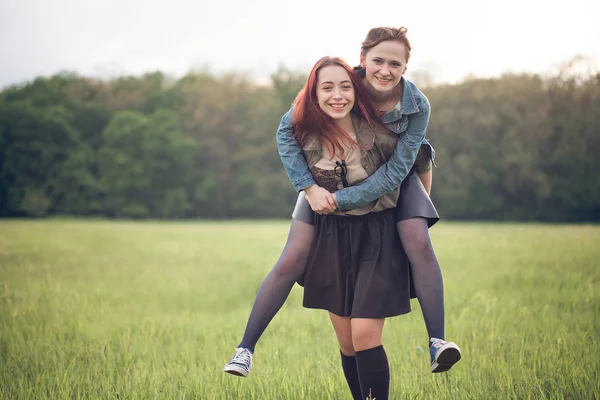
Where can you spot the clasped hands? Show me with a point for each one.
(321, 200)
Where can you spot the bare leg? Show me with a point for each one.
(343, 331)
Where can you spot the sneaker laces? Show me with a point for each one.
(242, 356)
(437, 343)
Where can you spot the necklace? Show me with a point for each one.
(385, 102)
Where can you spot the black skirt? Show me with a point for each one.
(414, 201)
(357, 267)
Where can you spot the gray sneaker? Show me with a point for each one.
(443, 355)
(241, 363)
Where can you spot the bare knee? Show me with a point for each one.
(346, 344)
(366, 333)
(343, 332)
(347, 349)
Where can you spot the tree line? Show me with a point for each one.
(517, 147)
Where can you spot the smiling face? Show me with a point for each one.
(335, 92)
(384, 64)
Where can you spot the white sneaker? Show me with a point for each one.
(443, 355)
(241, 363)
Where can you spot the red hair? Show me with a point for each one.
(310, 118)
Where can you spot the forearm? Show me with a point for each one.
(390, 175)
(387, 178)
(291, 154)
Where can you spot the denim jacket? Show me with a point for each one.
(408, 119)
(376, 146)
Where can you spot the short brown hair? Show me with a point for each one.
(383, 33)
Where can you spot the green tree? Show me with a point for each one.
(143, 163)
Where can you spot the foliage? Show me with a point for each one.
(518, 147)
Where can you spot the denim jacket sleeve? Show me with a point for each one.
(390, 175)
(291, 154)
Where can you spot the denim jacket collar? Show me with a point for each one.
(406, 106)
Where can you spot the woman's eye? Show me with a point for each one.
(347, 87)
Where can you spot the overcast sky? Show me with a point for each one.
(450, 39)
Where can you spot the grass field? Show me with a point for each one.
(150, 310)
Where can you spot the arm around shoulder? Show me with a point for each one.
(390, 175)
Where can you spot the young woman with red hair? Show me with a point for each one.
(357, 269)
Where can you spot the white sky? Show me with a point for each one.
(450, 39)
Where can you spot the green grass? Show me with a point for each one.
(149, 310)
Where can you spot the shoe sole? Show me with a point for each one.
(446, 359)
(237, 371)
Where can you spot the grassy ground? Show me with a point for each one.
(124, 310)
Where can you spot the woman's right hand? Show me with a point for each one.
(321, 200)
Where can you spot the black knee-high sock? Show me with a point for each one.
(279, 282)
(426, 273)
(351, 374)
(373, 373)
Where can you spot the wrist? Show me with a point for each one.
(341, 200)
(310, 188)
(303, 183)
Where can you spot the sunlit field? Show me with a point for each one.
(153, 310)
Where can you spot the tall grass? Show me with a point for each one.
(150, 310)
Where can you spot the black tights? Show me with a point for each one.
(279, 282)
(426, 273)
(276, 287)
